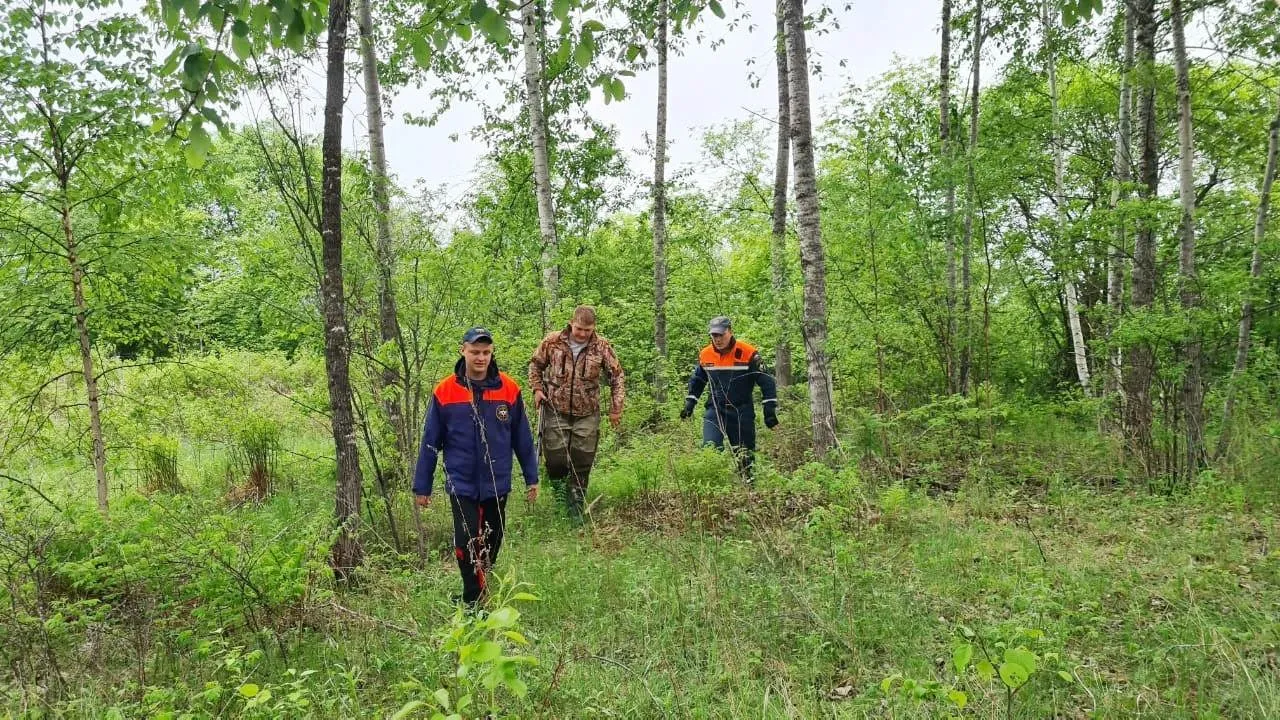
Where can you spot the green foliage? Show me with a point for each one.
(479, 644)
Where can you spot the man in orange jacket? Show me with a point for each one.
(733, 369)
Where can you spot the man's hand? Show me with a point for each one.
(539, 398)
(532, 494)
(422, 500)
(615, 419)
(687, 412)
(771, 421)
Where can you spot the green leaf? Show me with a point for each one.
(407, 710)
(619, 90)
(259, 16)
(560, 9)
(634, 51)
(593, 26)
(295, 34)
(486, 652)
(478, 11)
(1013, 675)
(504, 617)
(421, 51)
(985, 670)
(957, 698)
(1021, 656)
(516, 637)
(517, 687)
(961, 657)
(249, 690)
(442, 698)
(240, 45)
(464, 32)
(585, 52)
(1066, 676)
(440, 40)
(715, 8)
(494, 26)
(524, 596)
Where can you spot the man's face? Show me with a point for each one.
(581, 332)
(720, 341)
(478, 355)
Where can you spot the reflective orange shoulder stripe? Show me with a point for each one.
(507, 393)
(449, 392)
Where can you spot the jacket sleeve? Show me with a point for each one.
(697, 383)
(538, 365)
(432, 442)
(768, 388)
(617, 385)
(522, 442)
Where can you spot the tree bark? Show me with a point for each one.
(949, 211)
(1122, 170)
(347, 552)
(966, 341)
(531, 21)
(778, 254)
(660, 213)
(1076, 332)
(86, 357)
(812, 255)
(1255, 272)
(1192, 391)
(393, 373)
(1141, 367)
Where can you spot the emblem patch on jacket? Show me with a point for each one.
(504, 412)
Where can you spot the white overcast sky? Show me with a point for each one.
(706, 87)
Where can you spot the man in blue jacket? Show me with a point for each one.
(476, 419)
(733, 369)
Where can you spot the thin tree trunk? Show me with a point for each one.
(347, 551)
(966, 342)
(388, 321)
(1255, 272)
(531, 21)
(1192, 391)
(1122, 170)
(1079, 352)
(778, 255)
(660, 213)
(86, 358)
(949, 212)
(1141, 368)
(812, 256)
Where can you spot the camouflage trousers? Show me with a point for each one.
(569, 447)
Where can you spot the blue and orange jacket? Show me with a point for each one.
(732, 375)
(477, 427)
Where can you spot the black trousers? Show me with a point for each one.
(477, 538)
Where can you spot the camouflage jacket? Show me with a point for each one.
(572, 386)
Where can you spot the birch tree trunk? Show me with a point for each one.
(1122, 170)
(660, 212)
(949, 211)
(1192, 392)
(393, 374)
(966, 341)
(778, 255)
(812, 255)
(1079, 352)
(531, 21)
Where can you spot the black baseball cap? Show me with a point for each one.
(477, 334)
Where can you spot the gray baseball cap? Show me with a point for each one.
(719, 325)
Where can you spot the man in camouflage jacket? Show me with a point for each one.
(565, 374)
